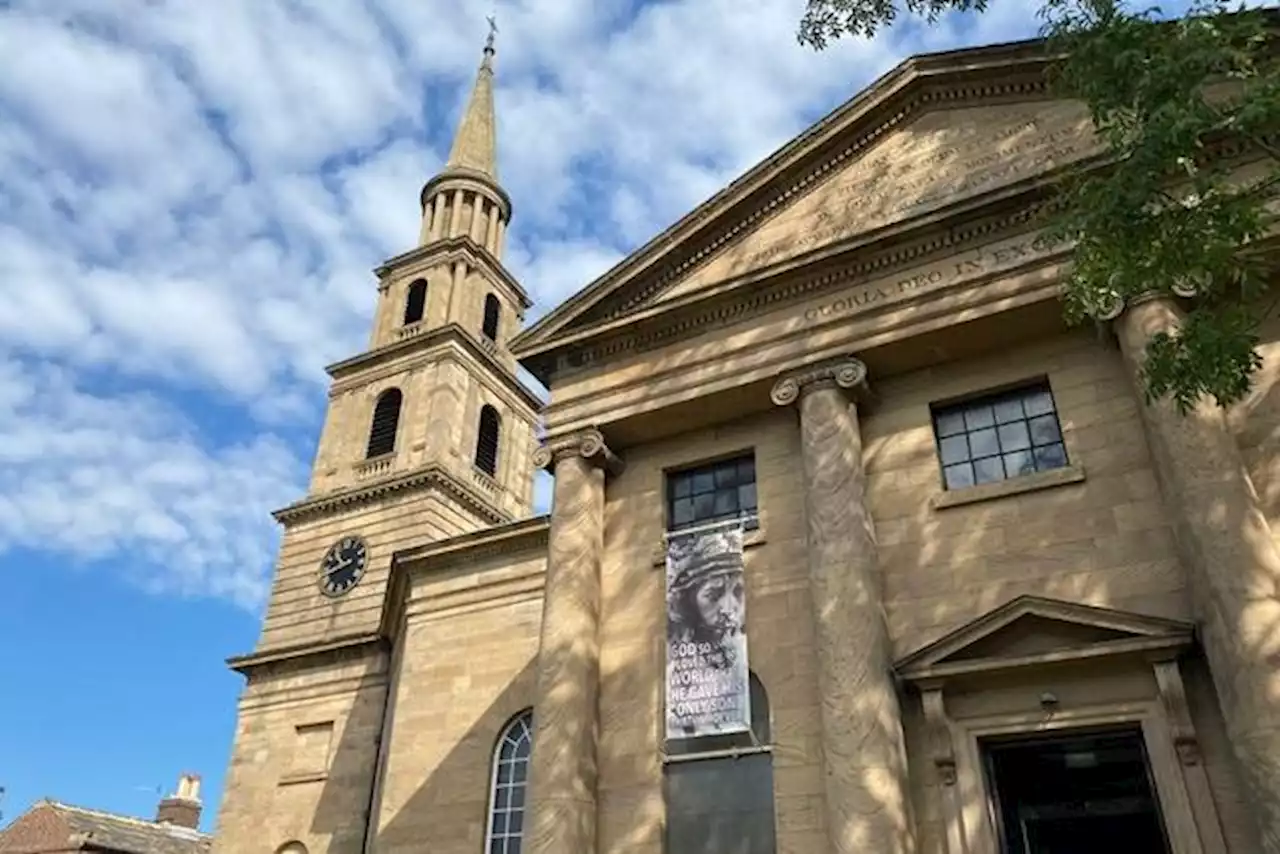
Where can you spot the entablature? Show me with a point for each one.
(446, 251)
(425, 347)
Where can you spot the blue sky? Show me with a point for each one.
(192, 197)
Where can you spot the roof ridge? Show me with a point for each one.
(122, 818)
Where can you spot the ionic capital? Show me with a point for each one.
(588, 444)
(1115, 304)
(845, 373)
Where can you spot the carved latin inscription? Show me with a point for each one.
(941, 158)
(996, 257)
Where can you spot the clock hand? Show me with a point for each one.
(340, 567)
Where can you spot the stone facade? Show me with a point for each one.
(826, 317)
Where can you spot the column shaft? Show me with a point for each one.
(1232, 561)
(562, 781)
(868, 807)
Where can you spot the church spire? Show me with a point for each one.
(465, 199)
(475, 146)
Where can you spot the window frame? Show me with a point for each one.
(497, 439)
(408, 302)
(750, 520)
(524, 717)
(373, 422)
(491, 301)
(1018, 390)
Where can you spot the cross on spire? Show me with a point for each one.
(493, 31)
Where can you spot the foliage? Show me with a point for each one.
(1180, 105)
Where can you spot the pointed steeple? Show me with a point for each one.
(475, 147)
(465, 199)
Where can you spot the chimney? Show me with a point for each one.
(182, 809)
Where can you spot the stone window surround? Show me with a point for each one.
(1019, 393)
(1072, 472)
(311, 774)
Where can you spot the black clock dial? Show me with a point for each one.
(343, 566)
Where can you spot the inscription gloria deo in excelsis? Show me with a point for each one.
(940, 158)
(995, 257)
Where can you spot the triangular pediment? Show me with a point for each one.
(936, 133)
(1034, 629)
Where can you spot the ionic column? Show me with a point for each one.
(562, 778)
(1232, 561)
(863, 749)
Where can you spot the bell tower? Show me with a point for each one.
(445, 312)
(428, 435)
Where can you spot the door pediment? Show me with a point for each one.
(1034, 630)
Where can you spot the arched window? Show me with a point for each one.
(507, 788)
(492, 311)
(386, 417)
(487, 440)
(723, 803)
(294, 847)
(415, 304)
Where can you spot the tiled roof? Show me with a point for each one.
(118, 833)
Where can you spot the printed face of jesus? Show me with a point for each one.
(719, 602)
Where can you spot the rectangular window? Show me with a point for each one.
(311, 751)
(998, 436)
(712, 493)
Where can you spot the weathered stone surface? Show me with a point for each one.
(1232, 561)
(562, 781)
(867, 804)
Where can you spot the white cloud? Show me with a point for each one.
(192, 196)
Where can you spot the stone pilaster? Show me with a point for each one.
(864, 754)
(562, 780)
(1231, 558)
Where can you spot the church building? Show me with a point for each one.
(855, 547)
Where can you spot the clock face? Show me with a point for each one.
(343, 566)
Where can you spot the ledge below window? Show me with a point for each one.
(1013, 486)
(750, 539)
(308, 777)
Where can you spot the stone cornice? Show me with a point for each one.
(450, 332)
(433, 475)
(830, 268)
(464, 178)
(521, 535)
(984, 75)
(450, 249)
(845, 373)
(588, 444)
(245, 665)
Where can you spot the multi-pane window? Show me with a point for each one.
(712, 493)
(999, 436)
(510, 780)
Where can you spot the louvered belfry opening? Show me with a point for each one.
(487, 442)
(415, 304)
(386, 417)
(492, 310)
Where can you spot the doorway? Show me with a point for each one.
(1074, 793)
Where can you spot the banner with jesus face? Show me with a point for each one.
(708, 687)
